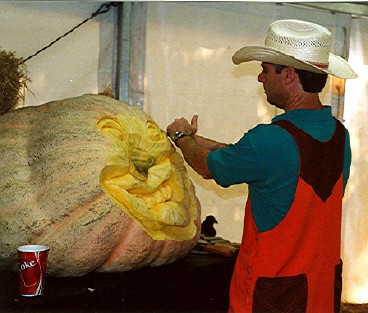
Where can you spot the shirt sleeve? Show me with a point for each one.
(242, 162)
(265, 155)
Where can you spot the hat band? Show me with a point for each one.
(320, 65)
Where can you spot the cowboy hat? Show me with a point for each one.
(298, 44)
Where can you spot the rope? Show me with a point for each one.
(104, 8)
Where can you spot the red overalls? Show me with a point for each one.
(295, 267)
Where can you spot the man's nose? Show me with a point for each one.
(261, 78)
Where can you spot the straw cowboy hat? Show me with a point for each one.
(298, 44)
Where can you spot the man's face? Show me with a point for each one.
(271, 84)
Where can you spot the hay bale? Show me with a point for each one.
(13, 78)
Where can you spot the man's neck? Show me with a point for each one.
(307, 101)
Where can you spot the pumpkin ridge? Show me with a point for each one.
(66, 218)
(5, 126)
(150, 250)
(118, 248)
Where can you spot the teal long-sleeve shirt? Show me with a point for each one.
(267, 159)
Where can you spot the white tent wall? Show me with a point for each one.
(355, 218)
(78, 63)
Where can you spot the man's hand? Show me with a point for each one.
(183, 125)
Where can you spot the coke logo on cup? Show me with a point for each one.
(26, 265)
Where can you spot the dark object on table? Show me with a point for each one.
(207, 226)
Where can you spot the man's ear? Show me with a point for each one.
(289, 74)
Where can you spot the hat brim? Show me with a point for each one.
(337, 66)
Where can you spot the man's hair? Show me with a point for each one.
(311, 82)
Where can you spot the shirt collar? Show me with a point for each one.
(305, 115)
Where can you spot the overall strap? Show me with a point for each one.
(321, 163)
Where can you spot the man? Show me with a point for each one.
(296, 169)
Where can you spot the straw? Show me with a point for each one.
(13, 78)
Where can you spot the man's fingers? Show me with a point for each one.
(194, 121)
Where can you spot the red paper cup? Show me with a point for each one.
(32, 269)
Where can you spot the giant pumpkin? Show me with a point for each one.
(98, 182)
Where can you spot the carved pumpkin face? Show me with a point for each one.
(98, 182)
(144, 175)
